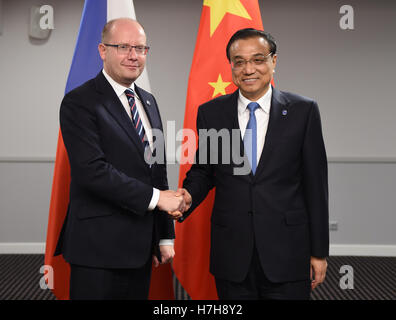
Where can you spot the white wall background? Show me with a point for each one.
(349, 73)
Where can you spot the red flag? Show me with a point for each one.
(210, 76)
(57, 214)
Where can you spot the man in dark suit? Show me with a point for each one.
(115, 220)
(269, 228)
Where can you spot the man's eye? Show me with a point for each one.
(123, 46)
(259, 61)
(140, 48)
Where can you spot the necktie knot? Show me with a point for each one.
(252, 106)
(129, 93)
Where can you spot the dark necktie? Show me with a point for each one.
(137, 122)
(250, 137)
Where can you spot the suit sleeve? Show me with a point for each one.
(89, 168)
(315, 181)
(199, 179)
(163, 222)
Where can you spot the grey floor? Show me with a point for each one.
(348, 278)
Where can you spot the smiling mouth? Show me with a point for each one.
(249, 80)
(130, 67)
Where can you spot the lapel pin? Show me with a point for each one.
(148, 102)
(284, 112)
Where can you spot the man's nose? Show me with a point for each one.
(249, 67)
(132, 54)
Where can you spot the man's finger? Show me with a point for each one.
(319, 278)
(165, 259)
(155, 261)
(176, 213)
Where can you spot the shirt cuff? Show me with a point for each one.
(154, 199)
(166, 242)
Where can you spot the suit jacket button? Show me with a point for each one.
(250, 212)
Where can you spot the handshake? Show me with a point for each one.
(175, 203)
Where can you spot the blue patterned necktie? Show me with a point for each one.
(250, 137)
(137, 122)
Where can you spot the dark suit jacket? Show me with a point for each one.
(283, 208)
(107, 224)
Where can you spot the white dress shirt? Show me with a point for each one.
(120, 92)
(262, 117)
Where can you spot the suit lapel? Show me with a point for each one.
(114, 106)
(231, 111)
(149, 106)
(276, 127)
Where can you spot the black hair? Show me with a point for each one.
(248, 33)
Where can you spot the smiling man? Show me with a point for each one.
(269, 228)
(116, 220)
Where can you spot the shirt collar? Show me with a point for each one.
(264, 101)
(118, 88)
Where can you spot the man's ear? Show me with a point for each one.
(102, 51)
(274, 58)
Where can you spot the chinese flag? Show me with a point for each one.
(85, 65)
(210, 76)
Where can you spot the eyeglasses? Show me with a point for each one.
(126, 48)
(257, 61)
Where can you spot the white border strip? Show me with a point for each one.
(27, 159)
(363, 250)
(335, 249)
(22, 248)
(361, 159)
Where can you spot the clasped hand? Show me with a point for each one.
(175, 203)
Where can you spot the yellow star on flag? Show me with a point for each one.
(219, 86)
(218, 9)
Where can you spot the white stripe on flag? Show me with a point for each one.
(125, 9)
